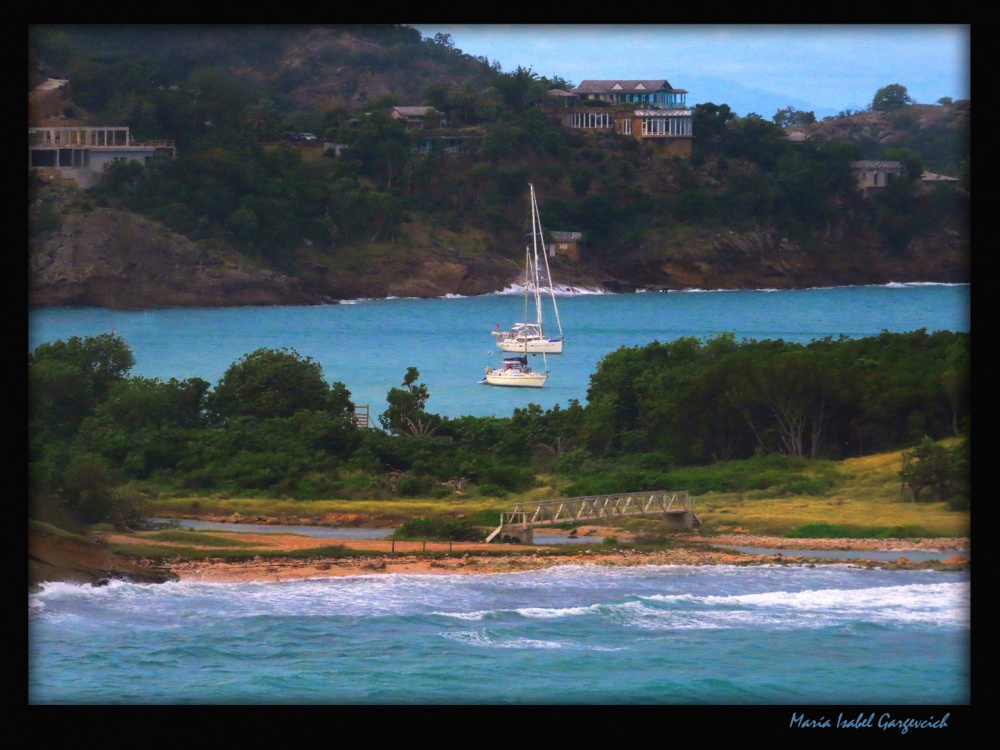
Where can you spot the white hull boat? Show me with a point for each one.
(527, 337)
(530, 336)
(515, 373)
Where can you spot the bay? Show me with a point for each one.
(369, 344)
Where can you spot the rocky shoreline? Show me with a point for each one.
(56, 556)
(469, 558)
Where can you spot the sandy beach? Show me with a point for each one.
(464, 558)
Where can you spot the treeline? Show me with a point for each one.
(274, 426)
(232, 185)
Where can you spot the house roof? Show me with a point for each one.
(664, 112)
(414, 111)
(873, 164)
(616, 87)
(559, 92)
(931, 177)
(565, 236)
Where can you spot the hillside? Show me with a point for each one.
(241, 217)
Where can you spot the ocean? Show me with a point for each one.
(781, 635)
(701, 635)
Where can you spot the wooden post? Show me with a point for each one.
(425, 546)
(394, 546)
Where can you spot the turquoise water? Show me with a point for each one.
(682, 635)
(369, 344)
(712, 635)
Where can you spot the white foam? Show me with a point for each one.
(486, 638)
(549, 613)
(937, 603)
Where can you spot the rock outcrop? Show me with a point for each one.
(56, 555)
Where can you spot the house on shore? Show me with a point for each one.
(84, 154)
(565, 245)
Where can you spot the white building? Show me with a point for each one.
(84, 154)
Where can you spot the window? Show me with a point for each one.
(592, 120)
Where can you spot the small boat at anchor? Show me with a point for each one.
(515, 372)
(530, 336)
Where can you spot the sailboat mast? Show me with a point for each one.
(528, 280)
(535, 269)
(548, 274)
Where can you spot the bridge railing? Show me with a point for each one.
(596, 507)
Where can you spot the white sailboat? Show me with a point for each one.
(530, 337)
(516, 372)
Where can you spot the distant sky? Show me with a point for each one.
(752, 68)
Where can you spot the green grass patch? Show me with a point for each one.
(41, 527)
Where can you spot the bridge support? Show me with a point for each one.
(516, 535)
(682, 520)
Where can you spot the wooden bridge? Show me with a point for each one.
(517, 525)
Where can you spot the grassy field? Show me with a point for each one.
(866, 501)
(858, 497)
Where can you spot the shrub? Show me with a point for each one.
(439, 529)
(492, 490)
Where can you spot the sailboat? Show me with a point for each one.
(530, 337)
(516, 372)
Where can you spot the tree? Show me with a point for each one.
(913, 165)
(381, 145)
(138, 402)
(709, 120)
(890, 98)
(406, 404)
(791, 116)
(270, 383)
(930, 464)
(66, 379)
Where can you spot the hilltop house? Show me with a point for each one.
(83, 154)
(652, 111)
(873, 174)
(419, 118)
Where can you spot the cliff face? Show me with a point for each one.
(116, 259)
(108, 258)
(766, 260)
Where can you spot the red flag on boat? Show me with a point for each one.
(498, 326)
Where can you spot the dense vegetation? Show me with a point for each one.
(759, 411)
(222, 96)
(275, 426)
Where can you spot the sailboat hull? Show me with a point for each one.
(532, 346)
(516, 379)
